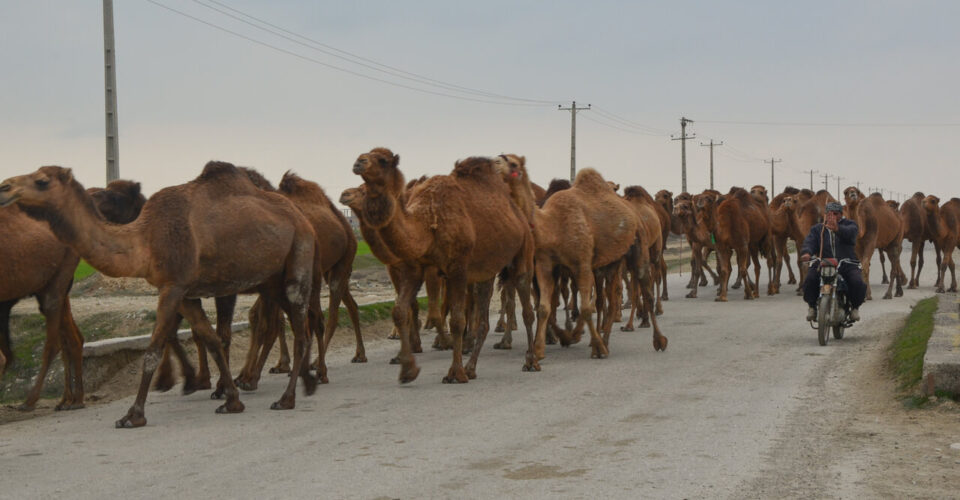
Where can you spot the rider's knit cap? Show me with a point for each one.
(834, 207)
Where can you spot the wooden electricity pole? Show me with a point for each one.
(772, 162)
(573, 135)
(811, 172)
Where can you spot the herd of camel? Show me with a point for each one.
(229, 231)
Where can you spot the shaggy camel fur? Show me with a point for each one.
(34, 262)
(879, 229)
(448, 222)
(584, 228)
(944, 224)
(272, 247)
(646, 256)
(913, 219)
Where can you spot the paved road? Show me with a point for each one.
(698, 420)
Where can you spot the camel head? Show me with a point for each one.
(353, 198)
(789, 202)
(120, 202)
(511, 167)
(852, 195)
(42, 189)
(683, 209)
(614, 186)
(705, 201)
(931, 204)
(894, 204)
(759, 193)
(379, 167)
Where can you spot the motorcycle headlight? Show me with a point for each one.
(828, 271)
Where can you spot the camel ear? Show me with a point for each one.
(396, 161)
(135, 191)
(65, 175)
(523, 161)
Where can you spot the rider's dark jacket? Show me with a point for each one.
(838, 244)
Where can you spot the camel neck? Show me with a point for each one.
(110, 248)
(407, 237)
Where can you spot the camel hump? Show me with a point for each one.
(791, 190)
(214, 170)
(257, 178)
(590, 180)
(126, 188)
(294, 185)
(558, 185)
(637, 192)
(475, 167)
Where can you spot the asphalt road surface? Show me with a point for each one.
(702, 419)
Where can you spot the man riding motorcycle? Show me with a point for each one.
(835, 238)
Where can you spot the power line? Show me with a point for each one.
(618, 127)
(630, 123)
(337, 68)
(827, 124)
(349, 57)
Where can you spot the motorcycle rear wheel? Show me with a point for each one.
(823, 319)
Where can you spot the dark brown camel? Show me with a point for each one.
(701, 239)
(584, 228)
(913, 219)
(739, 225)
(272, 247)
(945, 226)
(465, 225)
(33, 262)
(783, 227)
(879, 229)
(646, 255)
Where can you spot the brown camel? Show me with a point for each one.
(35, 263)
(809, 212)
(449, 222)
(783, 227)
(913, 219)
(648, 252)
(338, 247)
(272, 247)
(701, 239)
(879, 229)
(584, 228)
(739, 225)
(944, 225)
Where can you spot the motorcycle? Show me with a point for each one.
(833, 307)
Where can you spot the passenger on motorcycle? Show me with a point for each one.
(836, 237)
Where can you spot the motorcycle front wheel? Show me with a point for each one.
(823, 319)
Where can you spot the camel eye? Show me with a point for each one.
(42, 183)
(383, 161)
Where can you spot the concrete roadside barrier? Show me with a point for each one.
(941, 363)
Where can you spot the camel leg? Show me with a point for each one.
(635, 304)
(50, 306)
(225, 306)
(166, 326)
(865, 261)
(283, 364)
(743, 272)
(695, 255)
(706, 267)
(646, 289)
(431, 279)
(585, 285)
(456, 297)
(547, 305)
(526, 309)
(193, 311)
(785, 257)
(271, 325)
(6, 353)
(354, 312)
(482, 293)
(894, 272)
(663, 279)
(508, 307)
(317, 329)
(442, 341)
(298, 314)
(723, 262)
(883, 267)
(71, 343)
(408, 282)
(552, 327)
(915, 252)
(696, 272)
(248, 379)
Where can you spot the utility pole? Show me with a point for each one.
(683, 151)
(811, 172)
(771, 161)
(838, 186)
(858, 185)
(573, 135)
(712, 144)
(110, 89)
(825, 178)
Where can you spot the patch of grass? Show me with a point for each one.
(371, 313)
(83, 270)
(362, 248)
(366, 261)
(907, 350)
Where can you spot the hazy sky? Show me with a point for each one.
(189, 92)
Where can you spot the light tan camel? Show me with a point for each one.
(177, 245)
(34, 262)
(583, 228)
(448, 222)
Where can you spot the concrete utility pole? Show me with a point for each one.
(683, 151)
(712, 144)
(838, 186)
(110, 88)
(573, 135)
(825, 178)
(811, 172)
(772, 162)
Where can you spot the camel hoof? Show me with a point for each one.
(626, 328)
(736, 286)
(660, 343)
(217, 394)
(231, 407)
(499, 328)
(885, 281)
(68, 406)
(393, 336)
(599, 355)
(163, 384)
(131, 421)
(395, 360)
(720, 299)
(283, 405)
(245, 385)
(359, 358)
(407, 376)
(791, 281)
(887, 296)
(456, 379)
(691, 295)
(505, 346)
(280, 369)
(309, 384)
(531, 366)
(645, 324)
(25, 407)
(911, 287)
(664, 298)
(323, 379)
(472, 374)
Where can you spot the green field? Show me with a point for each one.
(83, 270)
